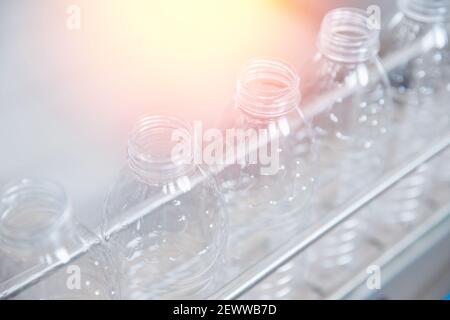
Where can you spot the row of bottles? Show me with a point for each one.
(409, 108)
(173, 227)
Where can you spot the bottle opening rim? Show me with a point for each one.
(31, 210)
(267, 87)
(347, 35)
(152, 148)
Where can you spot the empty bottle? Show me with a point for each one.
(268, 181)
(45, 253)
(350, 134)
(422, 84)
(351, 130)
(164, 219)
(421, 89)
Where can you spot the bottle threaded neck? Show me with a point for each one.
(267, 88)
(32, 210)
(160, 148)
(427, 11)
(347, 36)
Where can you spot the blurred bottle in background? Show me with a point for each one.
(287, 282)
(164, 217)
(421, 85)
(45, 253)
(350, 133)
(420, 113)
(280, 285)
(344, 252)
(268, 184)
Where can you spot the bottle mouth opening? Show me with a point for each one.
(160, 148)
(30, 209)
(268, 88)
(346, 35)
(427, 11)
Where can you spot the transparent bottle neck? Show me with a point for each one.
(347, 36)
(33, 214)
(161, 149)
(267, 89)
(426, 11)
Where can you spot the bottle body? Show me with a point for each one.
(350, 133)
(333, 260)
(166, 225)
(402, 208)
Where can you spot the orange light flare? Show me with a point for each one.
(177, 56)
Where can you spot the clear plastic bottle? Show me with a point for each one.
(421, 89)
(164, 217)
(351, 131)
(422, 84)
(44, 252)
(268, 191)
(350, 134)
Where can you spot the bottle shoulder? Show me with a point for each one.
(359, 79)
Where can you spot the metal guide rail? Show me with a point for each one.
(393, 261)
(250, 278)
